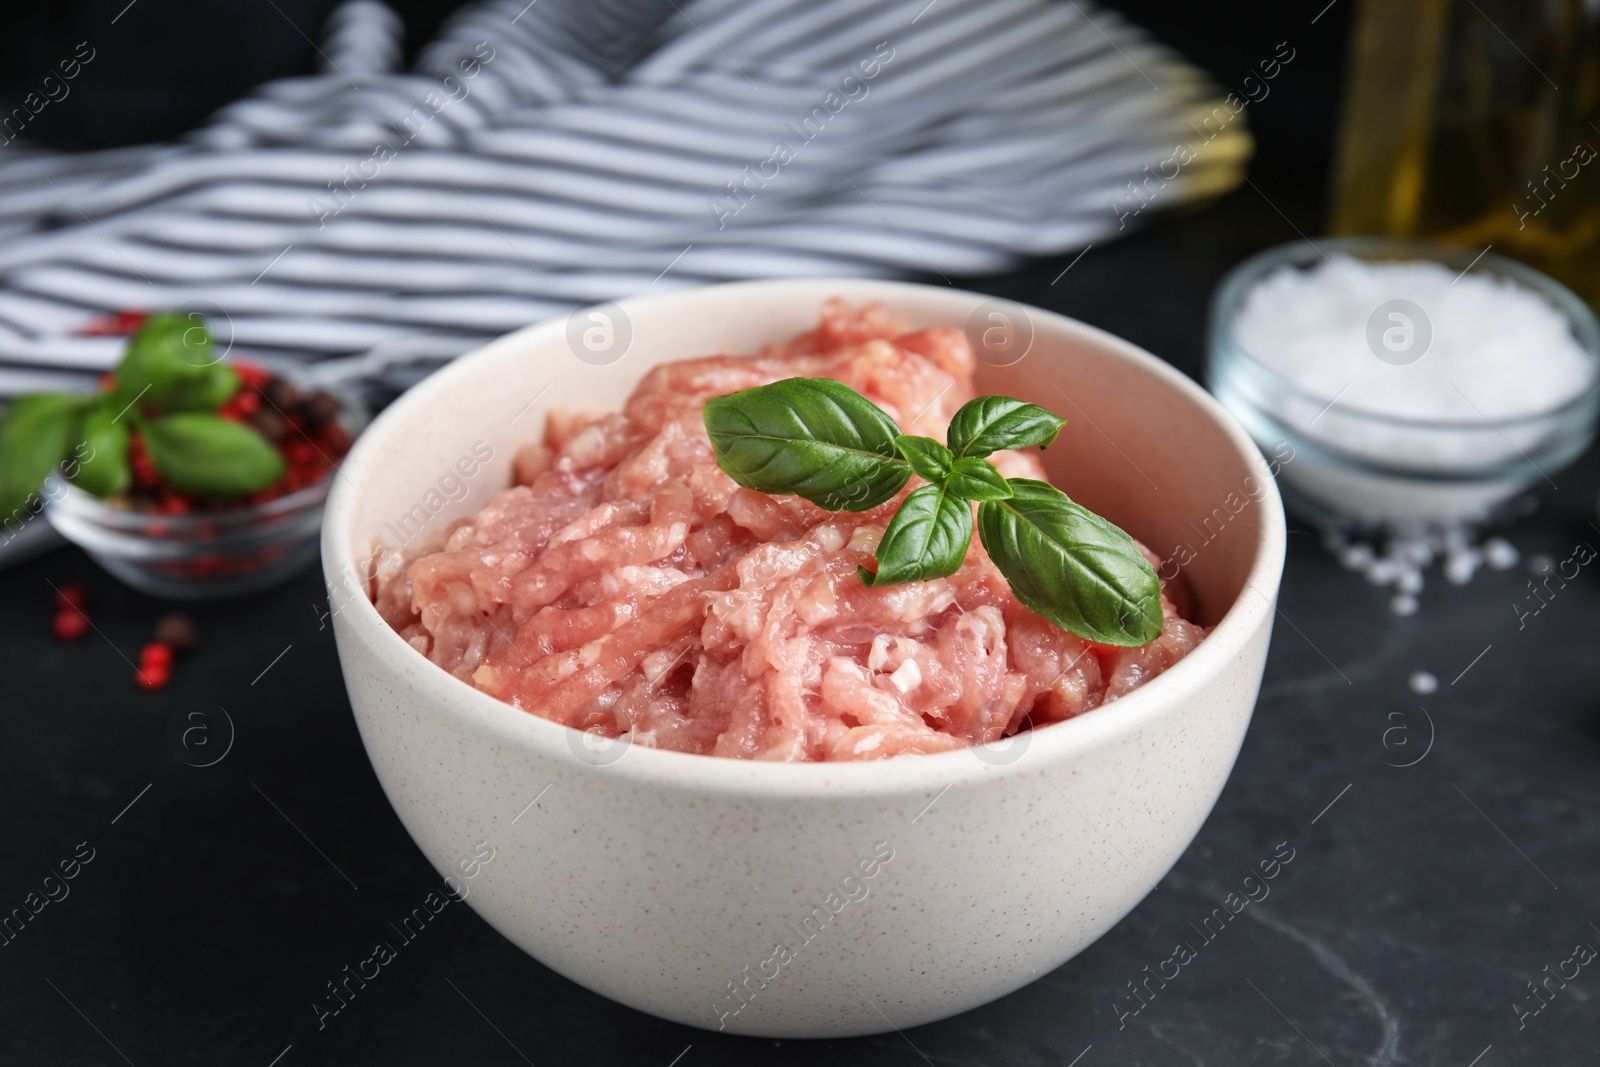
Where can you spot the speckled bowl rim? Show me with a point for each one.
(1050, 746)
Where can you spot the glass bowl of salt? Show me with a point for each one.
(1400, 383)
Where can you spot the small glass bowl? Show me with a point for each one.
(203, 555)
(1343, 467)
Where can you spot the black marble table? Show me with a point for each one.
(211, 904)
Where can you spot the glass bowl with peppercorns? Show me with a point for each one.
(185, 475)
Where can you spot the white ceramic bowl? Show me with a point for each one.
(755, 897)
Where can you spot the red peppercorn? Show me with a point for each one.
(70, 624)
(120, 324)
(250, 374)
(336, 438)
(156, 654)
(152, 677)
(173, 503)
(144, 472)
(70, 596)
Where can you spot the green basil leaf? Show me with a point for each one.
(208, 391)
(928, 458)
(927, 538)
(810, 437)
(36, 435)
(991, 423)
(103, 469)
(972, 478)
(1071, 566)
(168, 358)
(210, 456)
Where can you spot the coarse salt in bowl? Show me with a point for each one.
(1400, 383)
(812, 899)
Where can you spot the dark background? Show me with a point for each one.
(1417, 907)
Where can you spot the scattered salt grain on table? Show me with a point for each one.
(1460, 567)
(1401, 557)
(1357, 557)
(1500, 553)
(1423, 683)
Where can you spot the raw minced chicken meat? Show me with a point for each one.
(627, 585)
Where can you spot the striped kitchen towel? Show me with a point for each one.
(545, 155)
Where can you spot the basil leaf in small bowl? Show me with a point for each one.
(210, 455)
(103, 469)
(206, 391)
(170, 365)
(37, 434)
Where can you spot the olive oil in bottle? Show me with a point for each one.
(1475, 122)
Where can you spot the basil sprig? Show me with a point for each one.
(165, 388)
(821, 440)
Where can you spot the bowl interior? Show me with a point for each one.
(1143, 445)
